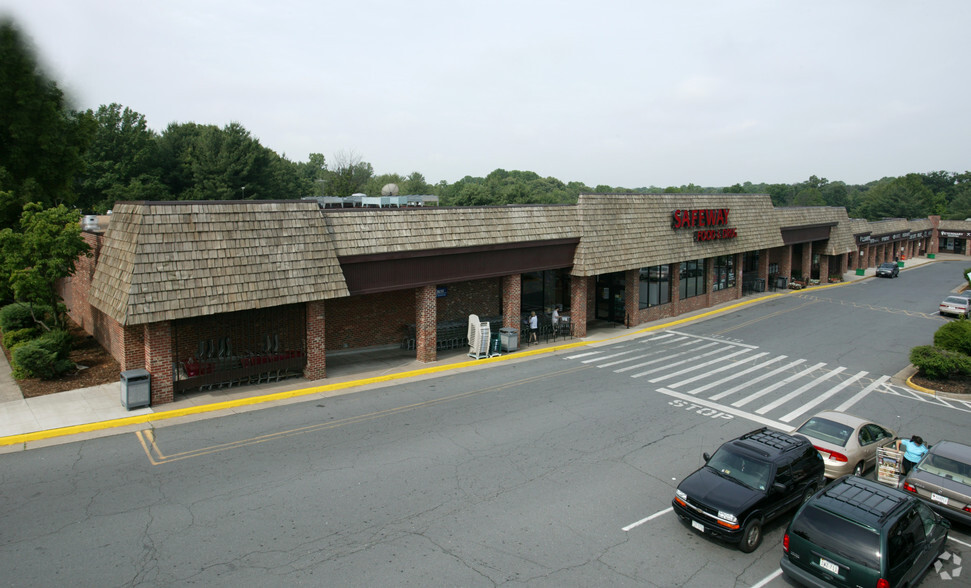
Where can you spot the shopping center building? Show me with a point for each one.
(204, 294)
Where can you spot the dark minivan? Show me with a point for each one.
(858, 532)
(748, 482)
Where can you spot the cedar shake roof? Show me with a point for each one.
(841, 236)
(170, 260)
(888, 226)
(952, 225)
(376, 231)
(624, 231)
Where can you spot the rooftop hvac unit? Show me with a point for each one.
(90, 223)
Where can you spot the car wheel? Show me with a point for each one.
(751, 536)
(810, 490)
(858, 470)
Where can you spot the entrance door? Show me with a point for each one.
(610, 297)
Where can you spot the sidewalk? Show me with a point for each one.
(97, 411)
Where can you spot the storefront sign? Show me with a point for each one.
(956, 234)
(698, 218)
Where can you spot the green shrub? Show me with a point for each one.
(57, 342)
(34, 360)
(19, 316)
(939, 364)
(12, 339)
(31, 360)
(954, 336)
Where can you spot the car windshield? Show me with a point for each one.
(946, 467)
(826, 430)
(956, 300)
(744, 469)
(888, 265)
(839, 536)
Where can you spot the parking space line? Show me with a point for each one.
(768, 579)
(646, 519)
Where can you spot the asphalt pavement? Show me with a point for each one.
(97, 411)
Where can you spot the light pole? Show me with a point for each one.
(244, 192)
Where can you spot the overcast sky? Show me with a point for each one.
(628, 94)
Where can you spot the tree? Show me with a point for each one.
(45, 250)
(122, 161)
(41, 139)
(349, 174)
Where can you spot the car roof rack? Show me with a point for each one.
(866, 496)
(767, 437)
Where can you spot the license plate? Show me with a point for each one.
(938, 498)
(829, 566)
(698, 526)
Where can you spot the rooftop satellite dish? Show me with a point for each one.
(389, 190)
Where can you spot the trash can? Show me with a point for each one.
(136, 388)
(509, 338)
(496, 344)
(860, 271)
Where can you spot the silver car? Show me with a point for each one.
(955, 305)
(847, 443)
(943, 480)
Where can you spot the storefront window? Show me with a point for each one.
(655, 286)
(692, 278)
(724, 272)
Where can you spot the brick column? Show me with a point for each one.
(580, 288)
(132, 347)
(316, 368)
(785, 264)
(426, 323)
(807, 260)
(158, 360)
(632, 297)
(763, 267)
(823, 269)
(512, 300)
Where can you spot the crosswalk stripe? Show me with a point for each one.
(665, 358)
(697, 366)
(765, 376)
(677, 363)
(777, 385)
(862, 393)
(822, 397)
(798, 391)
(603, 357)
(721, 369)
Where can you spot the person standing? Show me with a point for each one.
(914, 449)
(533, 327)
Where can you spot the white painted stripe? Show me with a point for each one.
(628, 359)
(579, 355)
(665, 358)
(780, 401)
(822, 397)
(663, 335)
(949, 538)
(719, 340)
(735, 375)
(646, 519)
(768, 579)
(698, 366)
(764, 376)
(777, 385)
(728, 410)
(861, 394)
(611, 356)
(723, 368)
(677, 363)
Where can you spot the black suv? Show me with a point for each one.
(858, 532)
(749, 481)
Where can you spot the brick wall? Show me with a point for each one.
(158, 360)
(316, 368)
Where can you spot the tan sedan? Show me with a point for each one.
(847, 443)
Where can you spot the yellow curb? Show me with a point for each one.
(25, 438)
(920, 388)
